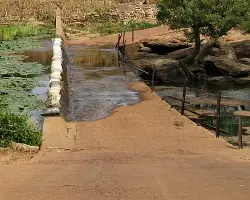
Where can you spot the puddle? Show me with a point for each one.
(96, 83)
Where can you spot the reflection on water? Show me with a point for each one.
(96, 83)
(42, 55)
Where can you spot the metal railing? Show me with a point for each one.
(217, 114)
(121, 49)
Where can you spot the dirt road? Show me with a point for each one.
(142, 152)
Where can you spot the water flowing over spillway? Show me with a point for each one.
(96, 84)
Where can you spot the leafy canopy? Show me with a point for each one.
(210, 17)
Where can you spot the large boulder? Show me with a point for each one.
(242, 48)
(166, 70)
(221, 79)
(180, 54)
(145, 49)
(245, 61)
(164, 47)
(143, 59)
(166, 43)
(218, 66)
(225, 52)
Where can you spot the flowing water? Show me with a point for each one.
(96, 83)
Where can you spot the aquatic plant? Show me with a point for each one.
(18, 128)
(14, 66)
(15, 95)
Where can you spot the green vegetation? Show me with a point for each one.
(108, 28)
(213, 18)
(17, 128)
(15, 95)
(18, 79)
(11, 32)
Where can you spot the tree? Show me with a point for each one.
(213, 18)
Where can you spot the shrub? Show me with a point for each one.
(17, 128)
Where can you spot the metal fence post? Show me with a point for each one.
(183, 98)
(124, 37)
(153, 79)
(240, 133)
(133, 35)
(218, 115)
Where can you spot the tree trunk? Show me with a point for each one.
(204, 49)
(191, 58)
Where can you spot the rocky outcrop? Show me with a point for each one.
(166, 70)
(24, 147)
(221, 79)
(180, 54)
(242, 48)
(145, 49)
(245, 61)
(167, 43)
(218, 66)
(225, 52)
(164, 47)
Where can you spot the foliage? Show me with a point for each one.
(11, 32)
(21, 102)
(12, 66)
(211, 17)
(117, 27)
(17, 128)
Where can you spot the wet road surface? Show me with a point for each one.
(96, 83)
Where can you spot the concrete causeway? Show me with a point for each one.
(145, 151)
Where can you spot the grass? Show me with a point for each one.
(17, 128)
(108, 28)
(11, 32)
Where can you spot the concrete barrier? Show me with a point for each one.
(58, 65)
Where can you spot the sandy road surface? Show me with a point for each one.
(144, 151)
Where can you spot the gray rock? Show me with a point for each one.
(242, 48)
(225, 52)
(24, 147)
(145, 49)
(163, 47)
(217, 66)
(167, 70)
(245, 61)
(180, 54)
(220, 79)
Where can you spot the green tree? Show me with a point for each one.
(213, 18)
